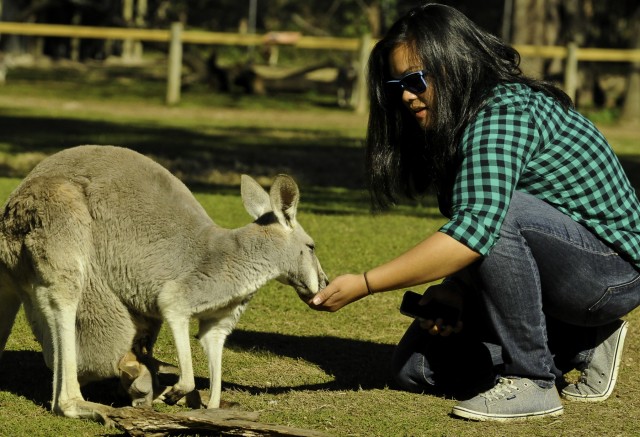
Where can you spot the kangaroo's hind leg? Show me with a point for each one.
(57, 300)
(57, 258)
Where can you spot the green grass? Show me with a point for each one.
(294, 366)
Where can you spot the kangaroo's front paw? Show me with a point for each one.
(172, 396)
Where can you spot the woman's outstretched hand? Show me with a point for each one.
(340, 292)
(434, 258)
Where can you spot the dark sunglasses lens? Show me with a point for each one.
(393, 87)
(415, 83)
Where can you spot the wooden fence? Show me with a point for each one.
(176, 36)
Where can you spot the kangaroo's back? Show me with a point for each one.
(118, 181)
(129, 216)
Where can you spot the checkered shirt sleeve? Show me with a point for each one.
(523, 140)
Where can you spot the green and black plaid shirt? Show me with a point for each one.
(523, 140)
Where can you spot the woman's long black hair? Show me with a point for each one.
(463, 64)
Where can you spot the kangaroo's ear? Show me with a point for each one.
(254, 197)
(284, 200)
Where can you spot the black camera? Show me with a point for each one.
(431, 311)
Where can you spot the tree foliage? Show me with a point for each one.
(590, 22)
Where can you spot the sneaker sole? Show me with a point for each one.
(614, 376)
(480, 417)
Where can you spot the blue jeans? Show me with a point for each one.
(532, 307)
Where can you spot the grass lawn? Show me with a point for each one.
(294, 366)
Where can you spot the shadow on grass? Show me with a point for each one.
(328, 166)
(25, 374)
(354, 364)
(313, 157)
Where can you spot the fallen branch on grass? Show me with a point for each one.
(139, 422)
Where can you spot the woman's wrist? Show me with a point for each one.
(366, 282)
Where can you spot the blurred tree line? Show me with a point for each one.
(593, 23)
(589, 23)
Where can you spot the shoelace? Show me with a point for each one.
(503, 388)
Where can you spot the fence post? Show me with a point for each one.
(174, 73)
(571, 71)
(361, 98)
(127, 16)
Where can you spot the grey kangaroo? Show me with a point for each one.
(102, 245)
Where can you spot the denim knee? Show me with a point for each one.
(410, 371)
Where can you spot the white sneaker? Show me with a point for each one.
(599, 376)
(510, 400)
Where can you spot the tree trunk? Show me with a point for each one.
(12, 43)
(536, 22)
(529, 28)
(631, 110)
(374, 16)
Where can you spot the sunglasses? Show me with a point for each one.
(414, 82)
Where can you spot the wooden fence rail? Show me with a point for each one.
(176, 37)
(164, 35)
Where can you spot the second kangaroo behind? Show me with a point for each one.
(100, 242)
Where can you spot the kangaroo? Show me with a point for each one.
(102, 245)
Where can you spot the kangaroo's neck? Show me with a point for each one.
(242, 258)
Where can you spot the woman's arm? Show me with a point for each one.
(434, 258)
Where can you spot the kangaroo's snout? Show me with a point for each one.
(306, 288)
(320, 283)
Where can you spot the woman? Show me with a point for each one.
(541, 251)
